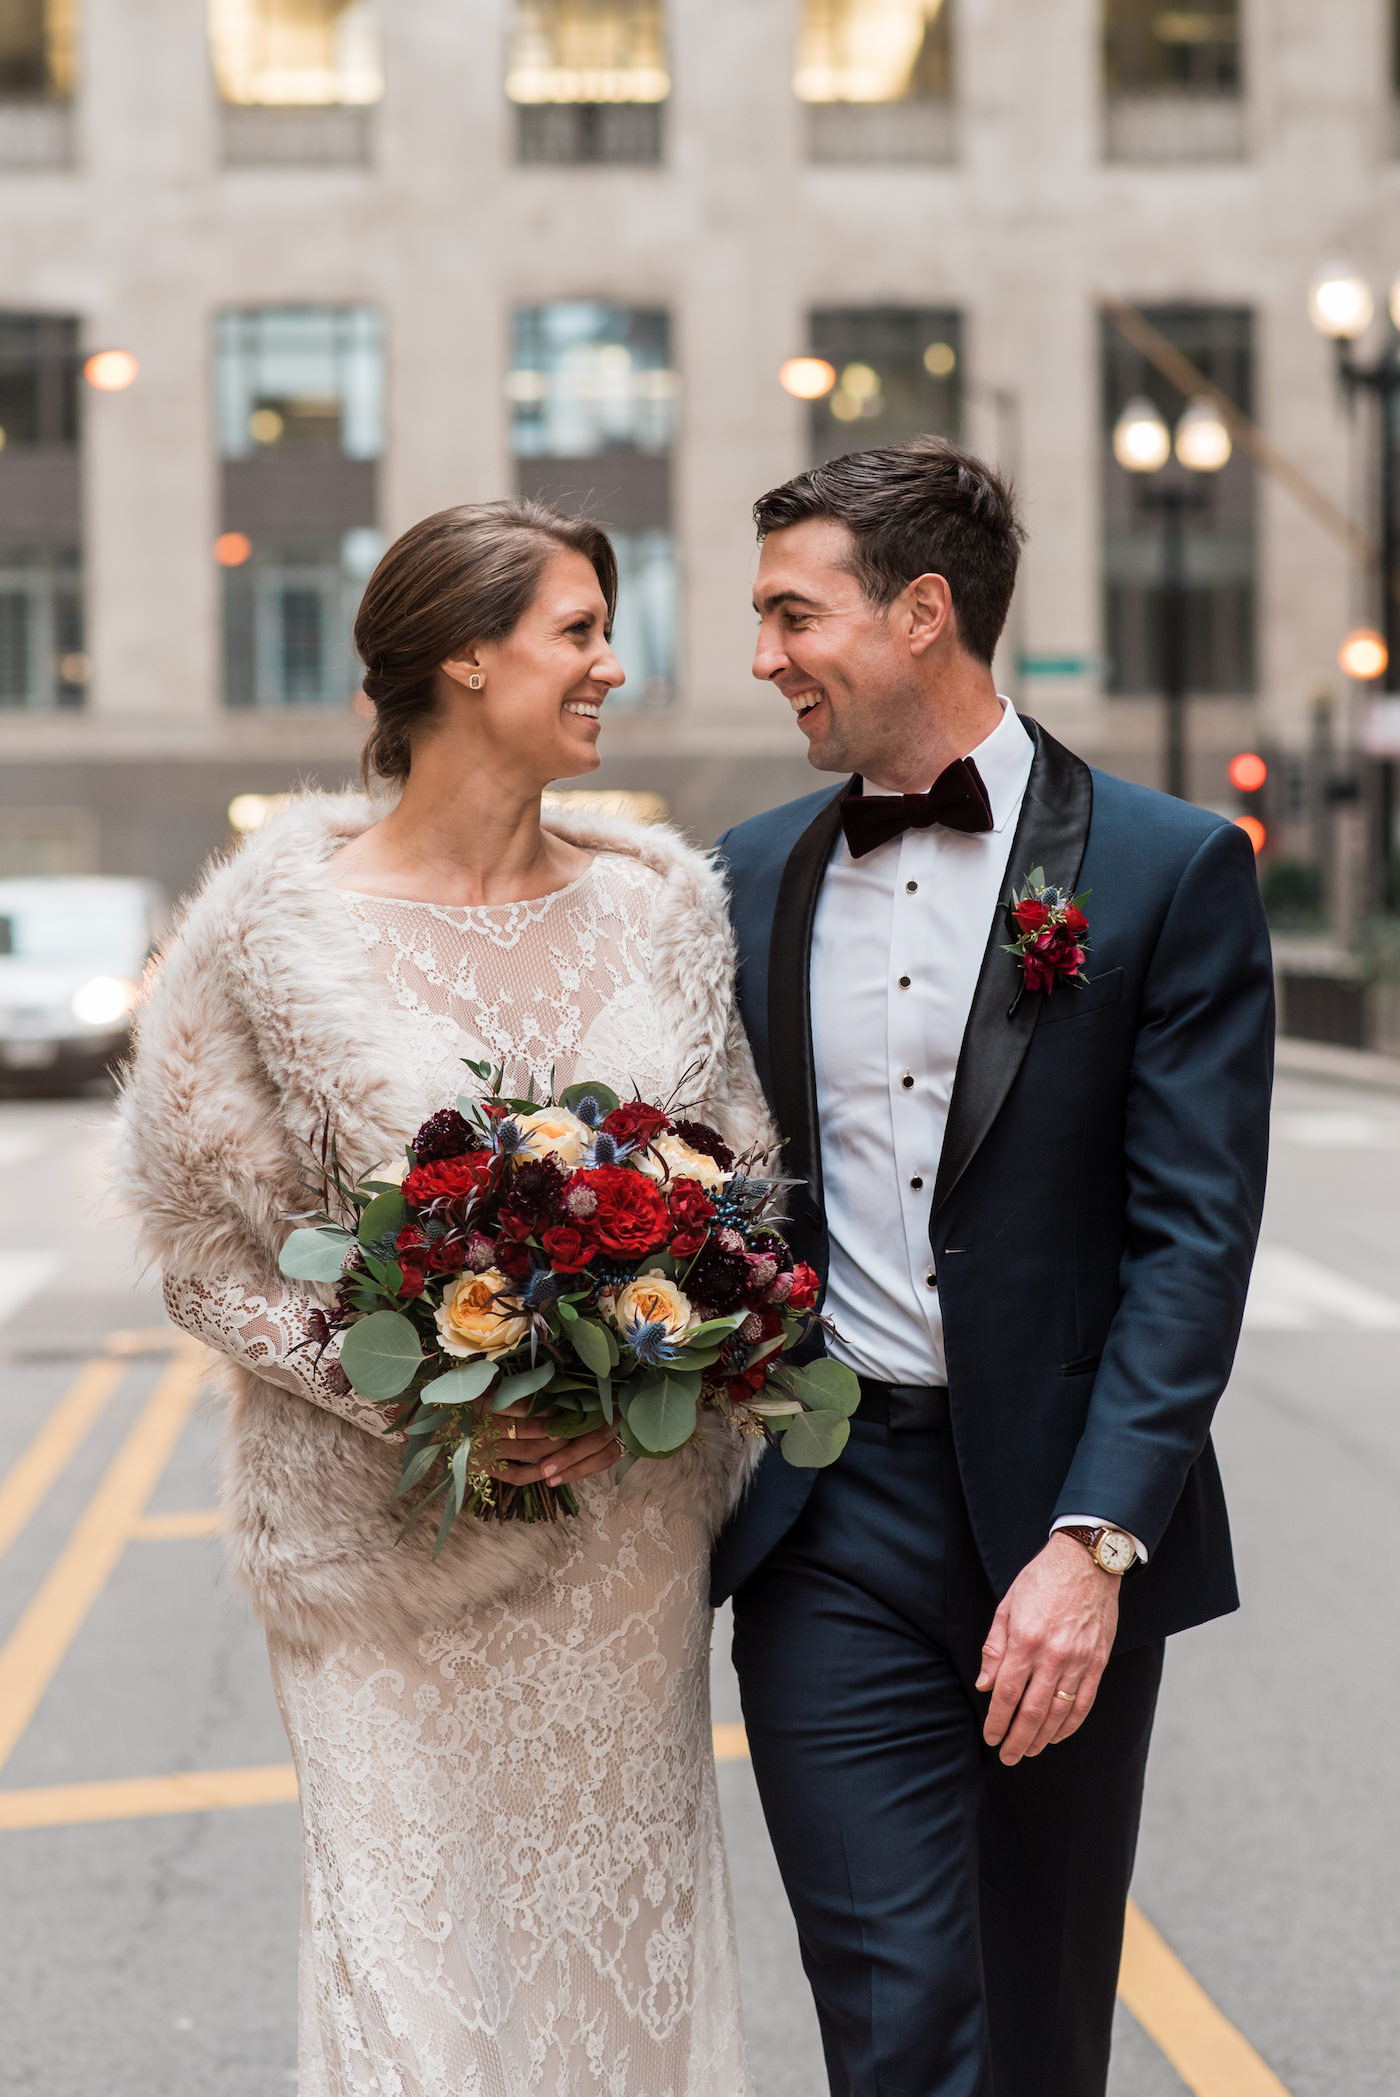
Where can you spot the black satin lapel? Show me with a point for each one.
(1051, 832)
(789, 995)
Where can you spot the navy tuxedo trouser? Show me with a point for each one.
(961, 1922)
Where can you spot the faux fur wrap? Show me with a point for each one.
(264, 1017)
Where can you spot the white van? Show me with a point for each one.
(72, 950)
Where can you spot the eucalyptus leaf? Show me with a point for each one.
(815, 1440)
(522, 1385)
(315, 1255)
(605, 1398)
(388, 1273)
(623, 1466)
(449, 1515)
(381, 1355)
(827, 1386)
(459, 1386)
(590, 1344)
(663, 1410)
(385, 1217)
(417, 1468)
(716, 1328)
(461, 1456)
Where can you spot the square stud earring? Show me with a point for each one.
(475, 681)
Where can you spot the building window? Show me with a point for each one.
(877, 76)
(36, 50)
(589, 79)
(896, 374)
(42, 657)
(1173, 81)
(299, 402)
(1219, 525)
(592, 397)
(296, 52)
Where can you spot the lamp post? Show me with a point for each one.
(1143, 445)
(1342, 307)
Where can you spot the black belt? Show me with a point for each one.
(904, 1407)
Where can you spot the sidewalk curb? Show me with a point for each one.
(1342, 1066)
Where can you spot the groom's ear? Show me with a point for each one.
(926, 605)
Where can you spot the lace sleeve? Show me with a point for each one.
(270, 1332)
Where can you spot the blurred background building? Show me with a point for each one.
(281, 276)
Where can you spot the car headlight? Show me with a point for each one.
(103, 1001)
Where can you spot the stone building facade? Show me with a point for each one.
(371, 261)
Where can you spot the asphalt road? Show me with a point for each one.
(154, 1955)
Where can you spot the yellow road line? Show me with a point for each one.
(1210, 2056)
(142, 1798)
(166, 1528)
(28, 1481)
(35, 1648)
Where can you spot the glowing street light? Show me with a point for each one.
(1202, 440)
(1364, 655)
(232, 549)
(1142, 443)
(807, 378)
(111, 371)
(1248, 772)
(1340, 302)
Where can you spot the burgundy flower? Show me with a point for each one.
(700, 1136)
(534, 1193)
(414, 1280)
(630, 1216)
(453, 1179)
(689, 1204)
(806, 1283)
(687, 1243)
(569, 1251)
(719, 1279)
(635, 1122)
(444, 1135)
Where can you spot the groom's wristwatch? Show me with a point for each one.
(1112, 1550)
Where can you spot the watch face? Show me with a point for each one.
(1115, 1551)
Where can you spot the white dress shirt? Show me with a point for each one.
(897, 948)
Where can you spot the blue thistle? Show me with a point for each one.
(588, 1111)
(507, 1138)
(606, 1150)
(650, 1344)
(542, 1289)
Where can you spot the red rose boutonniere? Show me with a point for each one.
(1049, 942)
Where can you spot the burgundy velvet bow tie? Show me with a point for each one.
(957, 799)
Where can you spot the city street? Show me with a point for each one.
(148, 1837)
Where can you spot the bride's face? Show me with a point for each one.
(546, 683)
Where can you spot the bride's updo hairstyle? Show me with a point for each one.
(460, 577)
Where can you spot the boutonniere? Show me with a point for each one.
(1049, 928)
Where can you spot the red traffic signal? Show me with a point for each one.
(1248, 772)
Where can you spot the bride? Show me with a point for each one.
(514, 1878)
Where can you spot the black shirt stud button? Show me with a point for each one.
(904, 982)
(931, 1279)
(917, 1181)
(911, 888)
(907, 1082)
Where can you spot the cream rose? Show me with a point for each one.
(653, 1300)
(395, 1172)
(470, 1320)
(554, 1132)
(671, 1157)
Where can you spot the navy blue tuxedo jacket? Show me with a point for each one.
(1098, 1199)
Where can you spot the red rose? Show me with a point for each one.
(512, 1259)
(1054, 954)
(805, 1285)
(413, 1280)
(748, 1384)
(410, 1239)
(446, 1256)
(635, 1122)
(569, 1251)
(1075, 919)
(690, 1205)
(1031, 915)
(630, 1216)
(686, 1244)
(450, 1179)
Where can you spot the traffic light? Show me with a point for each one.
(1248, 773)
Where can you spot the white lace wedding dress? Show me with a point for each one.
(515, 1883)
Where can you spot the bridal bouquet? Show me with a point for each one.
(599, 1259)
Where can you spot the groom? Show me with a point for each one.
(1033, 1202)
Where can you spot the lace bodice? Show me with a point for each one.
(553, 989)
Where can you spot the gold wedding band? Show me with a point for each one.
(510, 1430)
(1067, 1694)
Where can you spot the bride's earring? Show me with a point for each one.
(475, 681)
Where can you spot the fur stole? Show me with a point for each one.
(265, 1019)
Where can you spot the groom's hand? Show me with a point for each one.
(1053, 1632)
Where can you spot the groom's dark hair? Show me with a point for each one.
(924, 508)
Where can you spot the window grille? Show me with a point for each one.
(588, 78)
(1150, 48)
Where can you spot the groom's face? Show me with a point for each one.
(842, 664)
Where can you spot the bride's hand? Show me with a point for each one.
(528, 1454)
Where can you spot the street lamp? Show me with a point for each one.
(1342, 306)
(1143, 445)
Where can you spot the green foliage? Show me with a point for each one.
(523, 1384)
(590, 1343)
(459, 1386)
(315, 1255)
(814, 1440)
(827, 1386)
(385, 1217)
(604, 1096)
(662, 1410)
(1292, 891)
(381, 1355)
